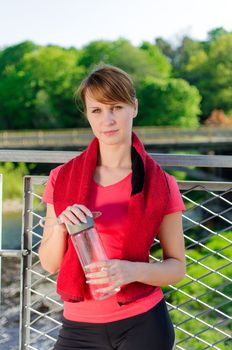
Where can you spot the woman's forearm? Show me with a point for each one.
(161, 273)
(52, 249)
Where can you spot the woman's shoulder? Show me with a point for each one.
(171, 179)
(172, 183)
(175, 199)
(55, 171)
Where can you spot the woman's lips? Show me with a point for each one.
(110, 132)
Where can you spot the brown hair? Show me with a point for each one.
(107, 84)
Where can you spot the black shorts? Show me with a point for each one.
(151, 330)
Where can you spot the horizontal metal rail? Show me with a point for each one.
(13, 253)
(143, 131)
(59, 157)
(163, 137)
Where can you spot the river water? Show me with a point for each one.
(10, 290)
(10, 284)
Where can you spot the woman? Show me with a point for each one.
(138, 201)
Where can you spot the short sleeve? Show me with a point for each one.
(175, 200)
(49, 188)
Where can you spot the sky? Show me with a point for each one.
(78, 22)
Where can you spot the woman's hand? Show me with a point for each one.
(74, 214)
(113, 272)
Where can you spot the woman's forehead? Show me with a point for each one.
(98, 100)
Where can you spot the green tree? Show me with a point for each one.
(188, 49)
(14, 54)
(168, 102)
(13, 91)
(138, 62)
(37, 91)
(165, 47)
(216, 85)
(208, 66)
(54, 76)
(216, 32)
(161, 65)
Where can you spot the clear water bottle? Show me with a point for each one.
(89, 249)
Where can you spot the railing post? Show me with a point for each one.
(26, 261)
(0, 236)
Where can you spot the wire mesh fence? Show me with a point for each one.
(200, 305)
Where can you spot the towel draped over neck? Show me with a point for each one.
(147, 204)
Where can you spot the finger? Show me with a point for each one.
(68, 217)
(98, 281)
(115, 287)
(97, 265)
(102, 272)
(78, 213)
(84, 209)
(73, 212)
(96, 214)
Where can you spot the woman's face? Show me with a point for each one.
(110, 123)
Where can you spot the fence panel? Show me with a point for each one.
(199, 305)
(40, 306)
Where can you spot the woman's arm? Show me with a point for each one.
(170, 270)
(54, 242)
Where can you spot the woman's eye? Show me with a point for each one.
(117, 107)
(97, 110)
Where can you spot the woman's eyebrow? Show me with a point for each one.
(110, 105)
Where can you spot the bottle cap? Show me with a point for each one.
(78, 228)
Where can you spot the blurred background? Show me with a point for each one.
(179, 54)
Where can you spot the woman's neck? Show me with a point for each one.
(114, 156)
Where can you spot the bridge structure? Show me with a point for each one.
(199, 305)
(161, 138)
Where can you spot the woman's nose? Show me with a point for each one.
(108, 117)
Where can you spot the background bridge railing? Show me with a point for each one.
(82, 136)
(200, 305)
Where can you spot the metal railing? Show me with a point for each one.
(82, 136)
(0, 232)
(169, 160)
(199, 305)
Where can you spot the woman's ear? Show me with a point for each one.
(136, 105)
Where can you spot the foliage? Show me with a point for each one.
(37, 83)
(208, 66)
(205, 280)
(37, 91)
(166, 48)
(13, 179)
(168, 102)
(138, 62)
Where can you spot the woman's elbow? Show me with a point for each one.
(48, 266)
(182, 271)
(50, 269)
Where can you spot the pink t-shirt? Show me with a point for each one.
(112, 201)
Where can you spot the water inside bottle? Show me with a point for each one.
(100, 295)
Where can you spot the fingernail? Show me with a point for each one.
(100, 290)
(96, 214)
(86, 269)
